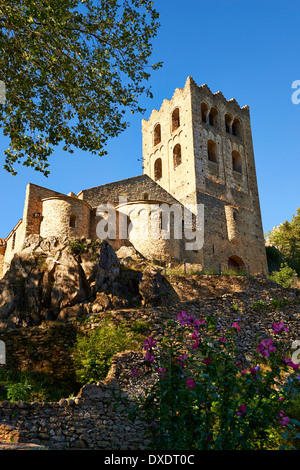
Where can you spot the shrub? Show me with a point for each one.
(285, 276)
(206, 398)
(93, 352)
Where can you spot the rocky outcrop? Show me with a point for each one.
(53, 274)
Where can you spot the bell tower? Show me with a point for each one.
(199, 148)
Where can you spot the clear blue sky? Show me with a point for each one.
(249, 50)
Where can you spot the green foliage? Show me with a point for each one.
(93, 352)
(274, 258)
(71, 70)
(28, 386)
(76, 246)
(286, 238)
(285, 276)
(205, 398)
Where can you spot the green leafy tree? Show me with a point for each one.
(71, 69)
(286, 238)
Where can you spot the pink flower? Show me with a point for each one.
(222, 340)
(278, 327)
(181, 359)
(266, 347)
(149, 343)
(206, 361)
(134, 372)
(184, 318)
(235, 325)
(243, 372)
(195, 335)
(190, 383)
(284, 419)
(254, 370)
(149, 357)
(289, 362)
(195, 344)
(242, 410)
(162, 371)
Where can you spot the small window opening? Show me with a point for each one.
(204, 112)
(236, 162)
(157, 169)
(13, 244)
(175, 120)
(73, 221)
(213, 117)
(157, 134)
(146, 196)
(212, 151)
(176, 155)
(228, 123)
(236, 128)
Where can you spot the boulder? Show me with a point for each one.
(53, 274)
(151, 287)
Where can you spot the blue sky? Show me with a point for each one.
(247, 49)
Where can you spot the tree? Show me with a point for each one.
(71, 69)
(286, 238)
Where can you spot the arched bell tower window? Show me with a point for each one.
(213, 117)
(236, 162)
(175, 119)
(204, 112)
(157, 169)
(176, 155)
(236, 128)
(212, 151)
(228, 120)
(157, 134)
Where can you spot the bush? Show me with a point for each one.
(93, 352)
(29, 386)
(206, 398)
(285, 276)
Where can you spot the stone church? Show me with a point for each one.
(198, 160)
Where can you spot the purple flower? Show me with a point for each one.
(235, 325)
(149, 357)
(242, 410)
(190, 383)
(266, 347)
(206, 361)
(278, 327)
(290, 363)
(181, 359)
(149, 343)
(134, 372)
(162, 371)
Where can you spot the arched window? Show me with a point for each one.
(176, 155)
(146, 196)
(228, 120)
(204, 111)
(73, 221)
(236, 162)
(212, 151)
(236, 127)
(175, 119)
(157, 169)
(213, 117)
(157, 134)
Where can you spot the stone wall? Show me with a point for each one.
(88, 421)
